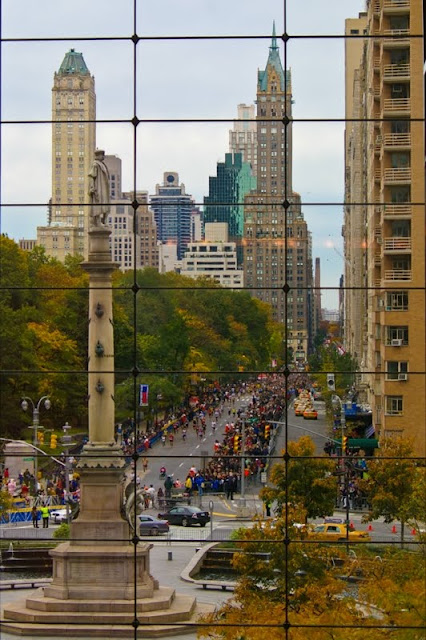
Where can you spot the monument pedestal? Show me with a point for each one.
(100, 561)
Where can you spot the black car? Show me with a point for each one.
(186, 516)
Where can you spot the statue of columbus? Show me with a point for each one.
(98, 191)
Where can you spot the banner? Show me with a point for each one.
(143, 395)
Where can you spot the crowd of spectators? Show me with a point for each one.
(49, 488)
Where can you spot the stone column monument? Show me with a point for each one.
(101, 578)
(99, 557)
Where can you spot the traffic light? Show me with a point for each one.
(331, 386)
(345, 444)
(267, 429)
(236, 443)
(53, 441)
(40, 437)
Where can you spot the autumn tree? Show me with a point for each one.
(305, 481)
(395, 483)
(318, 590)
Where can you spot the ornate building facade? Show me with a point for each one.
(73, 146)
(277, 243)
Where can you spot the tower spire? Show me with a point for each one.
(274, 45)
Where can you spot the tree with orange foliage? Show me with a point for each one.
(318, 592)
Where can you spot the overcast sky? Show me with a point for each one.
(175, 79)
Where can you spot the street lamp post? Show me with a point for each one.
(66, 442)
(35, 425)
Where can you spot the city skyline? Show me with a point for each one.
(191, 149)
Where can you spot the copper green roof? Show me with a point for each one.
(274, 60)
(73, 63)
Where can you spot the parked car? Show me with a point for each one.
(152, 526)
(186, 516)
(335, 531)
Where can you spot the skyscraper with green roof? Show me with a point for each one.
(73, 146)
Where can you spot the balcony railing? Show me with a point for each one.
(397, 105)
(397, 244)
(396, 210)
(391, 5)
(398, 274)
(397, 140)
(392, 71)
(397, 175)
(377, 175)
(396, 36)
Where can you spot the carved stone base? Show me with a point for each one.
(101, 572)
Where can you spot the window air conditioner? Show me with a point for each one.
(402, 376)
(396, 342)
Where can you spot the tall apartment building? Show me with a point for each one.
(147, 254)
(172, 211)
(73, 146)
(391, 152)
(133, 240)
(227, 190)
(355, 212)
(277, 243)
(243, 136)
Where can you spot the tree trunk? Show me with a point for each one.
(402, 534)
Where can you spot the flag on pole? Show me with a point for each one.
(143, 395)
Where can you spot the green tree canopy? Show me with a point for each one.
(305, 481)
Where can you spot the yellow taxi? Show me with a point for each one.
(299, 409)
(335, 531)
(310, 414)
